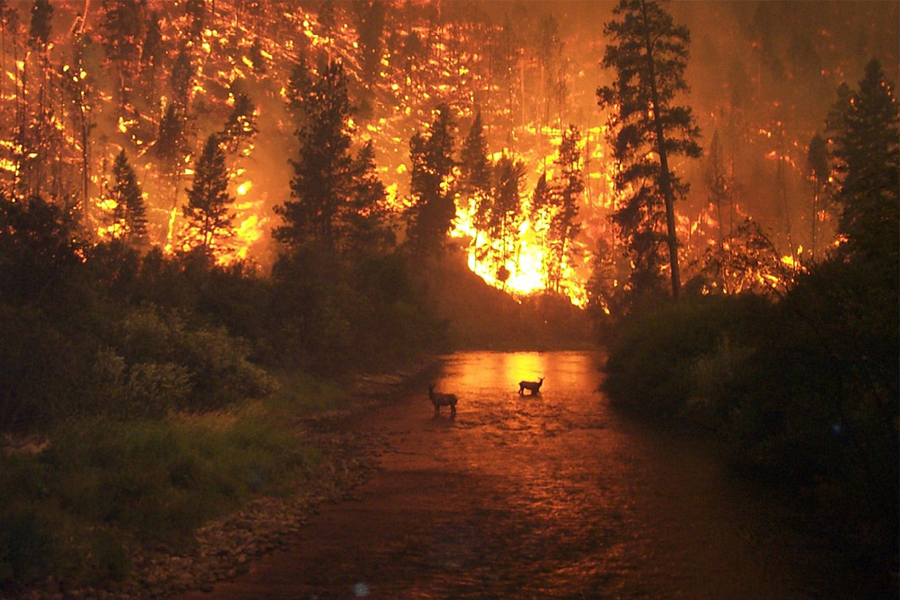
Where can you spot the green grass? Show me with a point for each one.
(102, 487)
(301, 394)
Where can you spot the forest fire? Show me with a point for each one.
(199, 63)
(226, 226)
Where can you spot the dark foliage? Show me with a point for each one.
(430, 216)
(649, 54)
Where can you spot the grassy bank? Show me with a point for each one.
(76, 502)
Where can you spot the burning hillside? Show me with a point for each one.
(83, 81)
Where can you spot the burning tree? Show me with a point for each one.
(649, 54)
(240, 128)
(717, 186)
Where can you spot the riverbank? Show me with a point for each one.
(223, 547)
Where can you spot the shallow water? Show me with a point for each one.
(548, 496)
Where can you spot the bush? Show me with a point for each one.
(184, 368)
(652, 357)
(715, 383)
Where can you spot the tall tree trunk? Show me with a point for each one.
(664, 180)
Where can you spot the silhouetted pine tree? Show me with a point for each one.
(475, 178)
(867, 149)
(475, 170)
(506, 215)
(181, 77)
(433, 196)
(367, 227)
(323, 171)
(121, 26)
(152, 54)
(567, 192)
(208, 200)
(716, 179)
(649, 55)
(170, 147)
(34, 129)
(197, 15)
(818, 169)
(370, 18)
(130, 213)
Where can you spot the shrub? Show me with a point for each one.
(715, 383)
(651, 355)
(182, 367)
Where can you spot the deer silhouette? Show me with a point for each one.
(533, 386)
(439, 400)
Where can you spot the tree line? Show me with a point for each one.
(798, 374)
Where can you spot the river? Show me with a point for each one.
(551, 496)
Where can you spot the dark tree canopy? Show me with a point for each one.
(434, 199)
(868, 163)
(207, 210)
(648, 53)
(171, 146)
(367, 229)
(475, 172)
(567, 191)
(41, 24)
(819, 170)
(130, 213)
(323, 172)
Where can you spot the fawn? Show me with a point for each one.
(440, 400)
(533, 386)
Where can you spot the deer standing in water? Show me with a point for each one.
(533, 386)
(439, 400)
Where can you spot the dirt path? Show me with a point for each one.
(551, 496)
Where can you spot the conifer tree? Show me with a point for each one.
(433, 195)
(867, 149)
(716, 180)
(152, 53)
(475, 177)
(170, 147)
(207, 210)
(34, 133)
(181, 77)
(130, 212)
(368, 231)
(370, 17)
(649, 53)
(566, 194)
(240, 127)
(196, 12)
(121, 27)
(323, 171)
(506, 213)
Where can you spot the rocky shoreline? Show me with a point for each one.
(224, 548)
